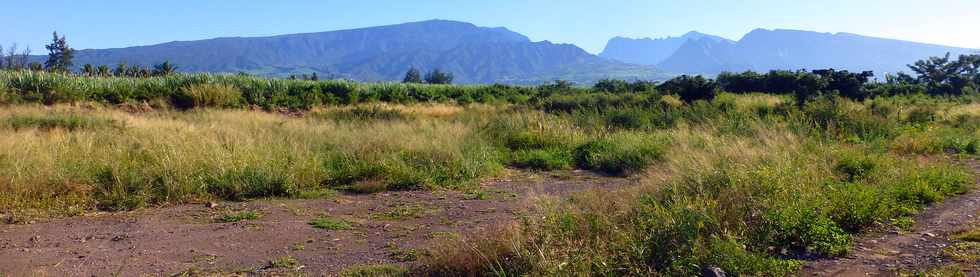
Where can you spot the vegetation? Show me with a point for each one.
(749, 191)
(240, 216)
(330, 223)
(744, 181)
(59, 55)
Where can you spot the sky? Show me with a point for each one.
(588, 24)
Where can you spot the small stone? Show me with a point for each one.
(713, 271)
(211, 205)
(928, 234)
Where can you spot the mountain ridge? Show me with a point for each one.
(381, 53)
(788, 49)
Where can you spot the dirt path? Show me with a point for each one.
(922, 248)
(385, 228)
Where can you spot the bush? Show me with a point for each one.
(690, 88)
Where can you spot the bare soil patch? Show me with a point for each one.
(388, 227)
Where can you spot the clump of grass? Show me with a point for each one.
(207, 95)
(543, 159)
(620, 154)
(329, 223)
(366, 114)
(403, 212)
(379, 270)
(240, 216)
(64, 121)
(405, 254)
(971, 235)
(285, 262)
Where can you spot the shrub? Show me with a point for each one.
(691, 88)
(629, 119)
(853, 167)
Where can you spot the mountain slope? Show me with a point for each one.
(763, 50)
(474, 54)
(650, 51)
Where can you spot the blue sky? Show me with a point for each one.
(588, 24)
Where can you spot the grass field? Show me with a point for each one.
(749, 183)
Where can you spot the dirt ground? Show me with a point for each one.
(387, 227)
(924, 248)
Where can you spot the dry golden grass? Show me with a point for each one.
(176, 154)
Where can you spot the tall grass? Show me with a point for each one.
(174, 157)
(201, 89)
(749, 183)
(754, 193)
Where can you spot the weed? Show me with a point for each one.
(621, 154)
(285, 262)
(328, 223)
(380, 270)
(64, 121)
(240, 216)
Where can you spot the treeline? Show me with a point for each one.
(160, 87)
(61, 60)
(935, 76)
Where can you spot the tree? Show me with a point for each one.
(437, 76)
(807, 86)
(2, 58)
(120, 70)
(314, 77)
(88, 70)
(137, 71)
(612, 85)
(744, 82)
(164, 69)
(849, 85)
(691, 88)
(413, 76)
(16, 60)
(59, 54)
(35, 66)
(943, 76)
(103, 71)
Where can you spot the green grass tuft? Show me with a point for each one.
(328, 223)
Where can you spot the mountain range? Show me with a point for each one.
(477, 54)
(764, 50)
(473, 54)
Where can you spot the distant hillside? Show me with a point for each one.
(650, 51)
(764, 50)
(474, 54)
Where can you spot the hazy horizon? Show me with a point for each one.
(101, 25)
